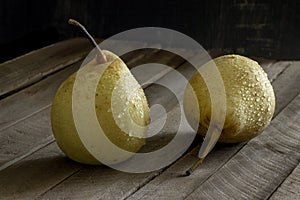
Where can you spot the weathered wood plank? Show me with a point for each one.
(32, 99)
(287, 85)
(25, 137)
(35, 174)
(99, 182)
(169, 185)
(275, 68)
(32, 67)
(290, 188)
(25, 123)
(260, 167)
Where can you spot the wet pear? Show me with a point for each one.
(250, 100)
(120, 107)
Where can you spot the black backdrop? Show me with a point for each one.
(263, 28)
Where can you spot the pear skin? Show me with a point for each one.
(133, 100)
(250, 99)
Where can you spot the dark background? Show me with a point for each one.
(262, 28)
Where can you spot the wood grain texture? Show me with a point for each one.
(260, 167)
(287, 85)
(103, 182)
(35, 174)
(25, 137)
(274, 69)
(32, 99)
(62, 178)
(98, 183)
(290, 188)
(25, 122)
(170, 185)
(32, 67)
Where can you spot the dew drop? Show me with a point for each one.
(259, 119)
(266, 84)
(130, 133)
(257, 99)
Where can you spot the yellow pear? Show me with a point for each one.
(120, 107)
(250, 100)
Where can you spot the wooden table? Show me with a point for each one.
(33, 167)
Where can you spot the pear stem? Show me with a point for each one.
(101, 58)
(194, 167)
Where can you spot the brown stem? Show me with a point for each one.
(101, 58)
(195, 166)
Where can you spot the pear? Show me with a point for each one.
(250, 100)
(120, 105)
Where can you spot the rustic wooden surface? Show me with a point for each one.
(290, 188)
(33, 167)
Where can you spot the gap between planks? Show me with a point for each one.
(290, 188)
